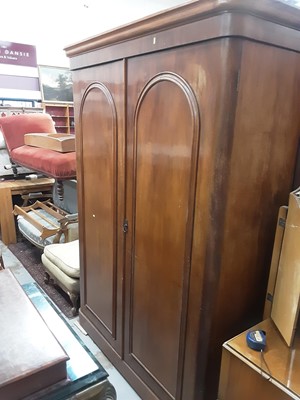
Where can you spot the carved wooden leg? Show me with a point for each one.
(60, 190)
(108, 392)
(100, 391)
(1, 261)
(74, 299)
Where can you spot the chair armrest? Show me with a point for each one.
(72, 217)
(32, 196)
(45, 232)
(52, 215)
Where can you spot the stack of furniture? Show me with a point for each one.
(187, 129)
(33, 141)
(53, 227)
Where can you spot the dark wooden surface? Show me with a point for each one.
(31, 357)
(275, 14)
(100, 184)
(194, 143)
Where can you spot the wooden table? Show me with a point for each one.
(8, 189)
(31, 357)
(245, 376)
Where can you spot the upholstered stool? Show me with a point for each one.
(61, 262)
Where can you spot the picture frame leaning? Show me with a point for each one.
(56, 84)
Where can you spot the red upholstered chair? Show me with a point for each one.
(48, 162)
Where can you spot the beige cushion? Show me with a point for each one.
(68, 284)
(65, 256)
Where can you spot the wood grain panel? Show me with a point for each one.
(239, 381)
(198, 10)
(262, 161)
(100, 200)
(99, 113)
(160, 123)
(264, 150)
(164, 185)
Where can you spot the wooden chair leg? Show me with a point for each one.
(47, 278)
(74, 299)
(1, 261)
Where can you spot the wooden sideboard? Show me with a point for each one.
(244, 375)
(187, 131)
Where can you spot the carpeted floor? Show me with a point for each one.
(30, 257)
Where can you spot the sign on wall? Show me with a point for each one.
(19, 77)
(17, 54)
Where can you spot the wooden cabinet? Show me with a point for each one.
(62, 115)
(187, 128)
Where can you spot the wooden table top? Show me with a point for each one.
(283, 361)
(24, 183)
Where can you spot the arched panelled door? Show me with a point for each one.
(99, 119)
(162, 160)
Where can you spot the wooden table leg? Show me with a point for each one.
(7, 219)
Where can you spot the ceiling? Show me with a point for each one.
(52, 25)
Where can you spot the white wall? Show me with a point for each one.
(51, 25)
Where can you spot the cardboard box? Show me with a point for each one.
(286, 299)
(60, 142)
